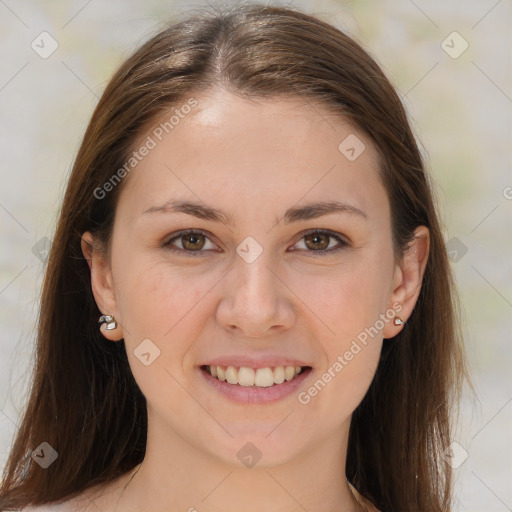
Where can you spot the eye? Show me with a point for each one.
(320, 241)
(194, 242)
(190, 241)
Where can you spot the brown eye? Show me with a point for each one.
(190, 242)
(193, 241)
(318, 241)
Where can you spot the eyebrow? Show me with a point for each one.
(295, 214)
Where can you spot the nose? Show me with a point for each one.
(256, 301)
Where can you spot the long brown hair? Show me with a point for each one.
(84, 401)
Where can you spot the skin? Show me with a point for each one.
(252, 160)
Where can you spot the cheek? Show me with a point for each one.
(348, 305)
(351, 341)
(348, 298)
(159, 303)
(341, 387)
(155, 296)
(169, 306)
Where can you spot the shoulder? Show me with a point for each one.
(48, 507)
(77, 503)
(51, 507)
(70, 506)
(99, 497)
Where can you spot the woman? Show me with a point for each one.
(248, 303)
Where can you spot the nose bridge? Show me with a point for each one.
(254, 281)
(255, 299)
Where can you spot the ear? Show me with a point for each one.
(102, 285)
(408, 279)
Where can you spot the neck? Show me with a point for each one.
(194, 479)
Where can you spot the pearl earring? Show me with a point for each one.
(109, 320)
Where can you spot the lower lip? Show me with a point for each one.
(254, 395)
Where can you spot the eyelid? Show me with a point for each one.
(343, 241)
(167, 244)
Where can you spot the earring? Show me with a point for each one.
(398, 321)
(109, 320)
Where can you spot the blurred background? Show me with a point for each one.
(450, 62)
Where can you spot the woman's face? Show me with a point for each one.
(251, 287)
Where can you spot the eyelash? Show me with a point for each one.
(342, 243)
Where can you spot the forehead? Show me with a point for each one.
(276, 150)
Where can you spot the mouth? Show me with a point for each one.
(267, 377)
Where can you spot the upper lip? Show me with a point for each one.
(254, 362)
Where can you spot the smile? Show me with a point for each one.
(254, 377)
(255, 385)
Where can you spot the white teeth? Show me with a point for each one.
(246, 376)
(278, 374)
(232, 375)
(289, 372)
(264, 377)
(260, 377)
